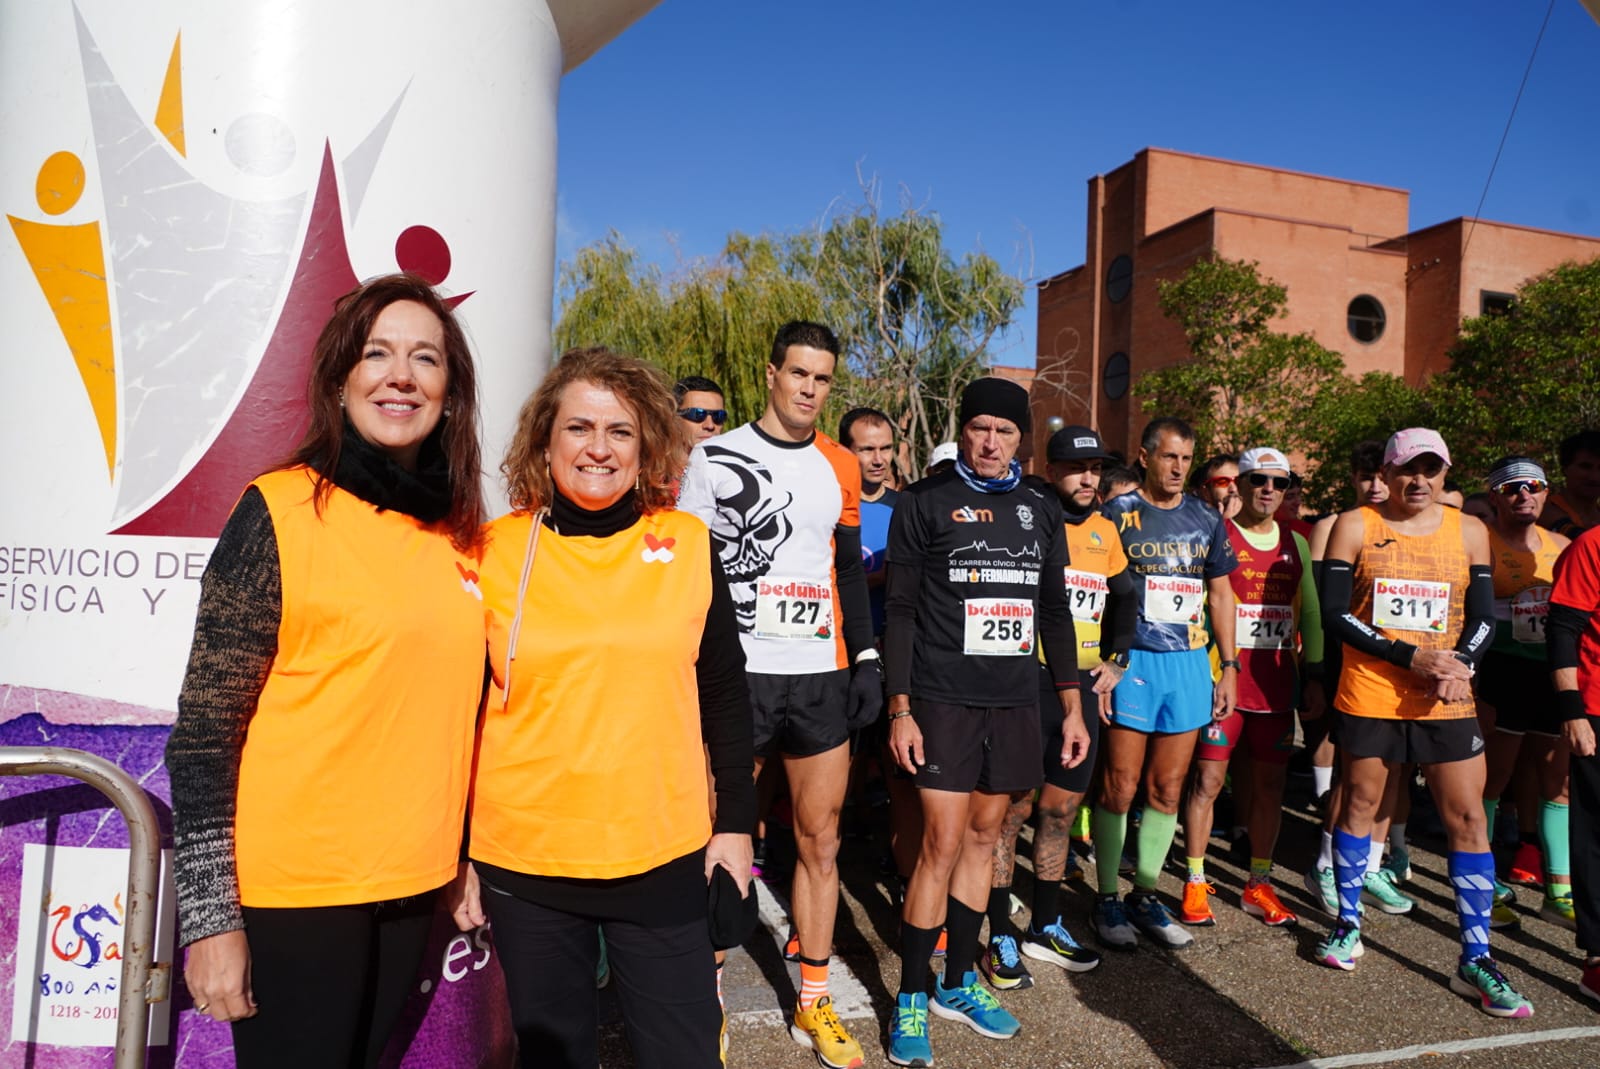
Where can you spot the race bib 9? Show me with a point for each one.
(794, 610)
(1410, 605)
(1173, 599)
(1087, 591)
(998, 627)
(1528, 612)
(1264, 627)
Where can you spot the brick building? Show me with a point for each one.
(1385, 298)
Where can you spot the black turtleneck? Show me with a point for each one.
(371, 474)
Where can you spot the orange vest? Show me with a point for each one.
(595, 767)
(353, 779)
(1408, 567)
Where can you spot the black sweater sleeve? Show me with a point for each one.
(1122, 615)
(1057, 635)
(235, 640)
(725, 717)
(853, 599)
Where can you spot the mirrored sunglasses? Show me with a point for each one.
(719, 416)
(1516, 486)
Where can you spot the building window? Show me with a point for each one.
(1365, 319)
(1491, 303)
(1119, 279)
(1115, 376)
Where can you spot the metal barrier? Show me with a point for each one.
(144, 980)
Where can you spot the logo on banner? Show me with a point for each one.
(195, 372)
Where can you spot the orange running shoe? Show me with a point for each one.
(1197, 903)
(1526, 867)
(1260, 900)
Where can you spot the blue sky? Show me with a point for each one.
(709, 116)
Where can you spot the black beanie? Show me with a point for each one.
(996, 397)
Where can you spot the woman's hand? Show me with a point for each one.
(463, 897)
(734, 852)
(218, 976)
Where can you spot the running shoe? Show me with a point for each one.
(1055, 944)
(1111, 924)
(1503, 895)
(1342, 947)
(942, 947)
(1002, 965)
(791, 946)
(1379, 886)
(1150, 916)
(820, 1029)
(1325, 889)
(1527, 868)
(908, 1032)
(1589, 980)
(1196, 908)
(1260, 900)
(1501, 916)
(1016, 904)
(1482, 980)
(1557, 909)
(974, 1007)
(758, 855)
(1398, 864)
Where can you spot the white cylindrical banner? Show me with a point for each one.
(188, 188)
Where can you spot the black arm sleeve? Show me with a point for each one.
(1057, 634)
(899, 627)
(1478, 630)
(1122, 615)
(1563, 633)
(235, 640)
(853, 600)
(1337, 620)
(725, 718)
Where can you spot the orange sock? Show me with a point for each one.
(813, 982)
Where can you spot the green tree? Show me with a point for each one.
(1521, 381)
(1244, 384)
(915, 323)
(1348, 411)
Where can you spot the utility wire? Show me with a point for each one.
(1507, 132)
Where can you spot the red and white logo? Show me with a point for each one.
(657, 549)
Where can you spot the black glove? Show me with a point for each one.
(866, 694)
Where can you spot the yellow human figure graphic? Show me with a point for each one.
(69, 263)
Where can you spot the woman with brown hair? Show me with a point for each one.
(616, 666)
(322, 750)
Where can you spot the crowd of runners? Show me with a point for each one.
(1103, 648)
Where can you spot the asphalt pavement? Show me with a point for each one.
(1243, 995)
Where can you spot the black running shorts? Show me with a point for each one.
(1422, 742)
(799, 715)
(967, 747)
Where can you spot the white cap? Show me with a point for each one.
(1264, 457)
(942, 452)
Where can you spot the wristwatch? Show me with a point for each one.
(1233, 664)
(1120, 659)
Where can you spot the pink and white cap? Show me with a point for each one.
(1411, 443)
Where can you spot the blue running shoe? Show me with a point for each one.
(973, 1006)
(1150, 916)
(908, 1032)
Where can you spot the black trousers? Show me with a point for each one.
(330, 982)
(664, 975)
(1584, 836)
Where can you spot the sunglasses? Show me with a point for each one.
(719, 416)
(1218, 482)
(1279, 482)
(1512, 489)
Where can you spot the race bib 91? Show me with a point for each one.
(1410, 605)
(795, 610)
(1528, 612)
(1173, 599)
(998, 627)
(1087, 591)
(1264, 627)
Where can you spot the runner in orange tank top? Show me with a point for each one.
(1409, 592)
